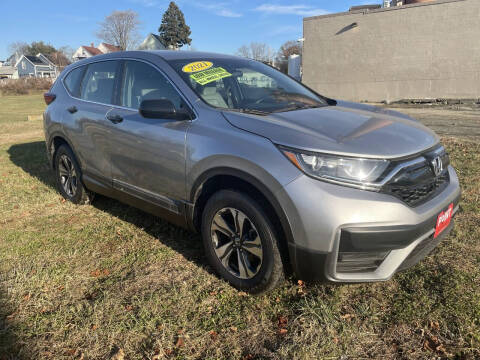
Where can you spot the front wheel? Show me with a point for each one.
(240, 242)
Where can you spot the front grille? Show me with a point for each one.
(419, 193)
(417, 184)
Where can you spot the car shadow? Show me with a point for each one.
(31, 158)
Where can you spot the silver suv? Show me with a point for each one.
(275, 177)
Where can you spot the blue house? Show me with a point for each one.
(35, 66)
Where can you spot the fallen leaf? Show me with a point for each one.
(180, 342)
(347, 317)
(168, 352)
(434, 325)
(300, 283)
(129, 307)
(70, 352)
(27, 297)
(282, 331)
(282, 321)
(94, 327)
(118, 355)
(242, 294)
(234, 328)
(213, 334)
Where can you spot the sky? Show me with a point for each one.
(217, 26)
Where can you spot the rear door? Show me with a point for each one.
(147, 155)
(89, 128)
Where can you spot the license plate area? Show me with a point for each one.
(443, 220)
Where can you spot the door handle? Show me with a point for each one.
(72, 109)
(114, 118)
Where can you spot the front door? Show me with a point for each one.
(147, 156)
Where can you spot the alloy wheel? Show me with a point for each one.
(68, 175)
(237, 243)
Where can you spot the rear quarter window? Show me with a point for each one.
(73, 80)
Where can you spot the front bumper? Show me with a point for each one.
(377, 233)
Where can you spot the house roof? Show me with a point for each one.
(35, 60)
(92, 50)
(111, 47)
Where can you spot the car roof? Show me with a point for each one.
(187, 55)
(166, 55)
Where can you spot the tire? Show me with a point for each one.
(251, 262)
(66, 165)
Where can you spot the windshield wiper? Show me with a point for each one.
(298, 107)
(248, 111)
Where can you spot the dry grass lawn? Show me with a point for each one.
(107, 280)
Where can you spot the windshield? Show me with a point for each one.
(245, 85)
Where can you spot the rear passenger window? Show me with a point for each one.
(144, 82)
(99, 82)
(73, 79)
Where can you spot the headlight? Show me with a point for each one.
(356, 172)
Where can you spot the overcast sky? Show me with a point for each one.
(219, 26)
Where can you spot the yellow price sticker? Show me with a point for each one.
(197, 66)
(208, 76)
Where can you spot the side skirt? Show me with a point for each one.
(170, 210)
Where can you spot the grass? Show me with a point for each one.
(107, 280)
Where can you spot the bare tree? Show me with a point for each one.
(19, 47)
(244, 51)
(257, 51)
(67, 51)
(288, 49)
(120, 28)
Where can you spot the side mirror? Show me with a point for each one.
(161, 109)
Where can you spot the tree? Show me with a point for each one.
(38, 47)
(17, 47)
(67, 51)
(120, 28)
(244, 51)
(288, 49)
(257, 51)
(174, 32)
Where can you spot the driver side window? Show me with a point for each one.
(143, 82)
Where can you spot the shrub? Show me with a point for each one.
(24, 86)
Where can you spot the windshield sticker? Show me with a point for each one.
(208, 76)
(197, 66)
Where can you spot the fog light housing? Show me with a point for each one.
(360, 262)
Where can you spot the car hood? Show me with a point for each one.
(344, 129)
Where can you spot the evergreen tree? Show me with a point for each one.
(174, 32)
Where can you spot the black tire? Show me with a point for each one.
(270, 271)
(64, 158)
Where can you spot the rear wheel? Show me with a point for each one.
(240, 242)
(68, 177)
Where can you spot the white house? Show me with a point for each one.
(84, 52)
(8, 72)
(151, 42)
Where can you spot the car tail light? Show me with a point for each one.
(49, 97)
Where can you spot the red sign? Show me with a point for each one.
(443, 220)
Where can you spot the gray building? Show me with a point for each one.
(424, 50)
(35, 66)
